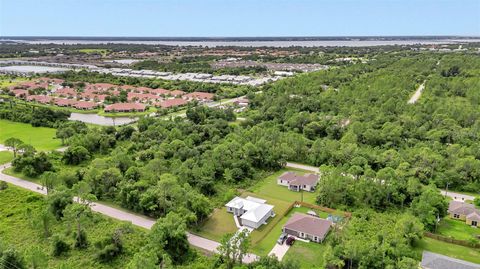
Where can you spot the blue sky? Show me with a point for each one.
(238, 17)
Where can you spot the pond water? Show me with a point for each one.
(101, 120)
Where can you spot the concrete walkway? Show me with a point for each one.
(303, 167)
(279, 250)
(417, 94)
(119, 214)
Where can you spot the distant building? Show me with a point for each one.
(172, 103)
(84, 105)
(432, 260)
(125, 107)
(199, 96)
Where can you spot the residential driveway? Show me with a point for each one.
(458, 196)
(279, 251)
(119, 214)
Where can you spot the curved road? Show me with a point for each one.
(135, 219)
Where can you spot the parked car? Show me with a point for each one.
(290, 241)
(282, 238)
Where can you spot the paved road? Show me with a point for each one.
(417, 94)
(303, 167)
(458, 196)
(119, 214)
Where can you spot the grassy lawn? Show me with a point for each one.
(90, 51)
(451, 250)
(457, 229)
(6, 81)
(16, 230)
(310, 255)
(219, 223)
(268, 187)
(42, 138)
(6, 157)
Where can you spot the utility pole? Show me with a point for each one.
(446, 190)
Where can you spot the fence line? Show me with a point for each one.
(464, 243)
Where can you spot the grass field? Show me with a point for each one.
(90, 51)
(457, 229)
(41, 138)
(127, 114)
(6, 81)
(310, 255)
(17, 231)
(268, 187)
(6, 157)
(451, 250)
(219, 223)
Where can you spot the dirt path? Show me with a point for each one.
(135, 219)
(302, 166)
(417, 94)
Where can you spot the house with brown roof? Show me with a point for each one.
(85, 105)
(64, 102)
(20, 93)
(464, 211)
(125, 107)
(199, 96)
(42, 99)
(296, 182)
(176, 93)
(64, 92)
(307, 227)
(172, 103)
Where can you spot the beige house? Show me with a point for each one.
(296, 182)
(464, 211)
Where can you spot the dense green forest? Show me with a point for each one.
(380, 157)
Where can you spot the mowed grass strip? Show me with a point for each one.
(310, 255)
(217, 225)
(42, 138)
(447, 249)
(5, 157)
(457, 229)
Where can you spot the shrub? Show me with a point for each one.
(59, 246)
(3, 185)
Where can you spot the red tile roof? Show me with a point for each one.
(44, 99)
(66, 92)
(85, 105)
(19, 92)
(125, 107)
(160, 91)
(177, 93)
(199, 96)
(65, 102)
(172, 103)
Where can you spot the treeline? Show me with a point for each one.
(362, 123)
(35, 115)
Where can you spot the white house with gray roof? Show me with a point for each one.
(252, 212)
